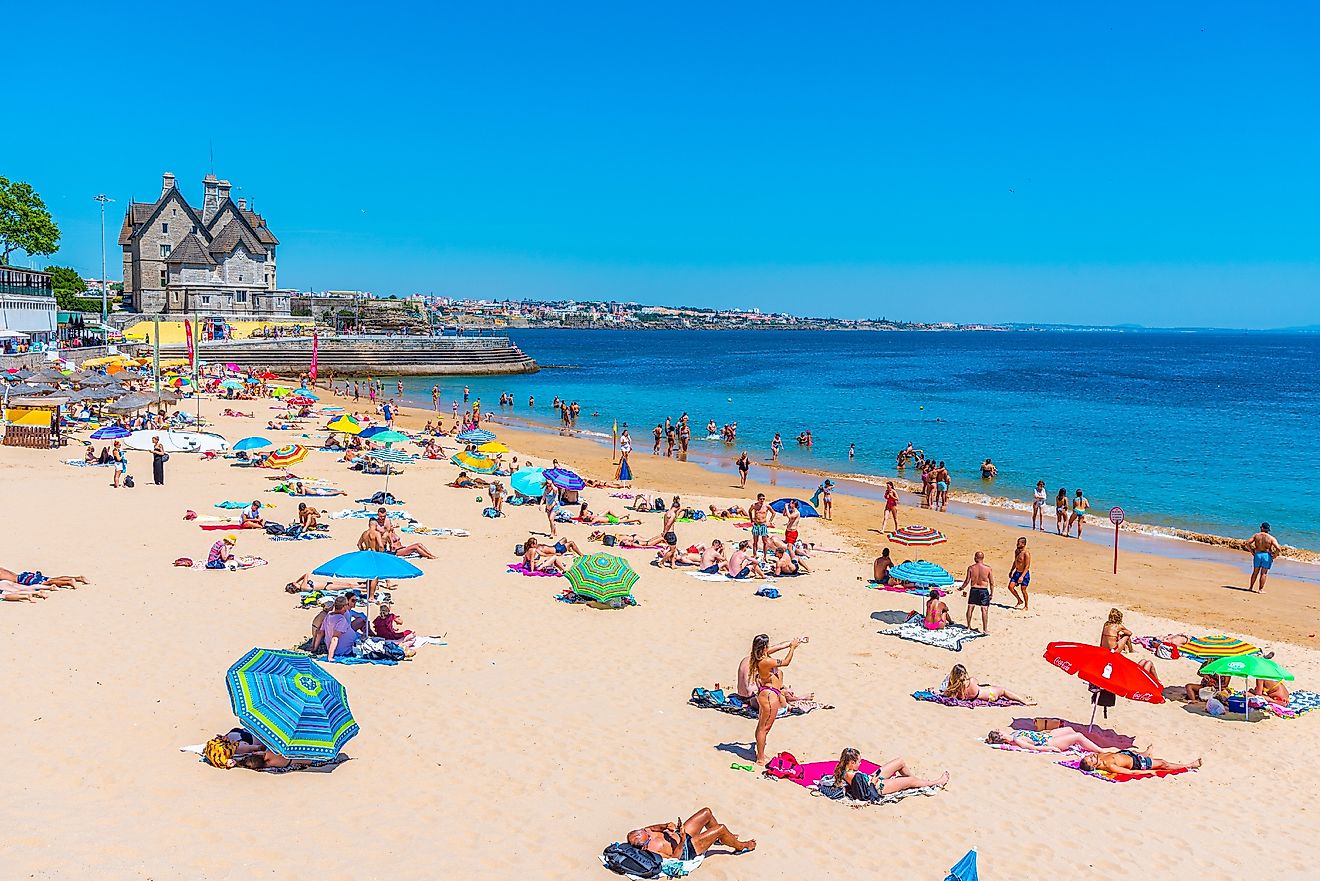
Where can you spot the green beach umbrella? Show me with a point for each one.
(1248, 667)
(601, 577)
(290, 703)
(389, 437)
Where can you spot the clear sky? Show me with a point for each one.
(1104, 163)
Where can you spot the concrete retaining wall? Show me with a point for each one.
(371, 355)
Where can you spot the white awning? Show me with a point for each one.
(12, 335)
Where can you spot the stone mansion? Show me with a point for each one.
(216, 261)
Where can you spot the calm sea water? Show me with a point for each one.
(1207, 431)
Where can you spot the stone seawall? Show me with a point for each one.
(371, 355)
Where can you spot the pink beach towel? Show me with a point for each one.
(813, 771)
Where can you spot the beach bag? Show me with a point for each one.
(610, 541)
(489, 512)
(1167, 651)
(128, 481)
(624, 859)
(784, 766)
(275, 529)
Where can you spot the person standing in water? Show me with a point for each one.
(744, 463)
(1038, 507)
(1080, 504)
(1264, 547)
(776, 445)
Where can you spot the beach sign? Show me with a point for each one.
(1116, 517)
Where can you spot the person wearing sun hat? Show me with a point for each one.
(222, 552)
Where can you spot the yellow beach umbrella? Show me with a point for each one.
(346, 424)
(493, 447)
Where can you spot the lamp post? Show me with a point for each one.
(105, 307)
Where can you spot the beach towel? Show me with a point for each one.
(302, 536)
(716, 699)
(936, 698)
(239, 562)
(364, 514)
(1299, 702)
(79, 463)
(818, 778)
(230, 524)
(440, 531)
(721, 577)
(232, 505)
(1076, 765)
(522, 569)
(950, 637)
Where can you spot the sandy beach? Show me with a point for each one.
(544, 731)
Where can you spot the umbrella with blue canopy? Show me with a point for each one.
(921, 573)
(306, 393)
(251, 443)
(806, 509)
(384, 435)
(964, 869)
(368, 566)
(476, 436)
(529, 482)
(291, 704)
(390, 457)
(564, 479)
(110, 432)
(232, 384)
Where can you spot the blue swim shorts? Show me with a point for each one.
(1262, 560)
(941, 486)
(760, 529)
(1016, 577)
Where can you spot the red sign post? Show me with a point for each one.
(1116, 517)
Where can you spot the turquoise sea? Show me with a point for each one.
(1206, 431)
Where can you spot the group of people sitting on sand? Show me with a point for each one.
(381, 535)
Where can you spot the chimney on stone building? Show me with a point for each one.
(210, 202)
(223, 187)
(242, 203)
(166, 182)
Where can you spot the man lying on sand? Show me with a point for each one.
(1126, 761)
(239, 749)
(690, 840)
(42, 582)
(892, 777)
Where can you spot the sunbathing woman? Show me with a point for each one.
(1272, 689)
(609, 518)
(538, 559)
(1118, 638)
(394, 545)
(1127, 761)
(892, 777)
(962, 686)
(769, 682)
(12, 592)
(1054, 740)
(690, 840)
(937, 612)
(223, 752)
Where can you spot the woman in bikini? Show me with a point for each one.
(1061, 510)
(937, 613)
(769, 684)
(1116, 637)
(892, 777)
(1052, 740)
(961, 686)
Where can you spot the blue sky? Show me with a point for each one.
(1149, 163)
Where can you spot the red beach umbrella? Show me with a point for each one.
(1106, 669)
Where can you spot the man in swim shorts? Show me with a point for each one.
(1020, 576)
(1264, 548)
(981, 582)
(1127, 761)
(762, 516)
(791, 524)
(690, 840)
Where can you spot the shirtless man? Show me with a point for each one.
(308, 517)
(40, 582)
(690, 840)
(1020, 575)
(1128, 761)
(668, 537)
(941, 477)
(379, 533)
(880, 569)
(792, 515)
(1264, 548)
(712, 557)
(762, 517)
(981, 582)
(742, 564)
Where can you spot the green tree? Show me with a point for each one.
(69, 287)
(24, 221)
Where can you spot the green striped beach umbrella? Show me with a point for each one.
(601, 577)
(291, 704)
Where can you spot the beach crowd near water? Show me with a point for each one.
(374, 532)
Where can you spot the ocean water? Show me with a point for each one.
(1206, 431)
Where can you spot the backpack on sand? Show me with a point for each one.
(784, 765)
(628, 860)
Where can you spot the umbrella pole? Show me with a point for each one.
(1095, 705)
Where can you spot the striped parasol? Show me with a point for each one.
(473, 462)
(917, 535)
(110, 432)
(394, 457)
(1207, 648)
(564, 479)
(285, 456)
(291, 704)
(476, 436)
(922, 573)
(601, 577)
